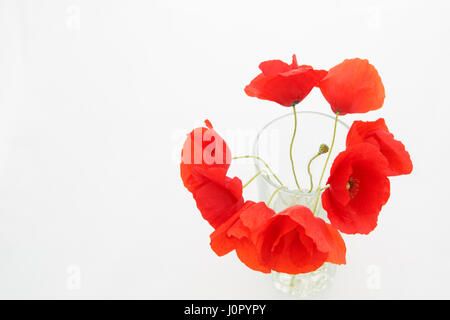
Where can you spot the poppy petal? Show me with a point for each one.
(295, 241)
(377, 134)
(367, 187)
(353, 86)
(283, 83)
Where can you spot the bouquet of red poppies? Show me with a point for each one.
(296, 240)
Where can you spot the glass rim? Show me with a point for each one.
(256, 148)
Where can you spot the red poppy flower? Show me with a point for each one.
(240, 233)
(204, 165)
(353, 86)
(283, 83)
(377, 133)
(358, 188)
(294, 241)
(203, 148)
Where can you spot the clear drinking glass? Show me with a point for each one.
(273, 144)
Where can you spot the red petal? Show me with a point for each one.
(353, 86)
(273, 67)
(395, 152)
(368, 168)
(238, 232)
(255, 218)
(377, 133)
(283, 83)
(221, 243)
(346, 219)
(294, 241)
(204, 165)
(247, 253)
(337, 251)
(216, 200)
(205, 148)
(360, 130)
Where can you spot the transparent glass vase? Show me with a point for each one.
(272, 144)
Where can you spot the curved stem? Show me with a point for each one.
(252, 178)
(331, 148)
(290, 148)
(326, 162)
(265, 164)
(309, 172)
(273, 194)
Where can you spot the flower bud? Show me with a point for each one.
(323, 148)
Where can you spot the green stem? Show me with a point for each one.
(291, 284)
(290, 149)
(273, 194)
(252, 178)
(326, 162)
(265, 164)
(309, 172)
(331, 148)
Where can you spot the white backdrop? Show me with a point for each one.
(95, 97)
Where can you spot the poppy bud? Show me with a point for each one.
(323, 148)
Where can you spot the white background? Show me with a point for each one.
(95, 97)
